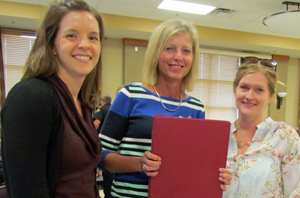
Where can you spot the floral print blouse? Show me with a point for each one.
(271, 165)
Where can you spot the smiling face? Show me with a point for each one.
(77, 44)
(176, 58)
(252, 95)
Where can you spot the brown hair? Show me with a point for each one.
(245, 69)
(42, 62)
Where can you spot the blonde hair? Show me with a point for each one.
(42, 62)
(245, 69)
(159, 38)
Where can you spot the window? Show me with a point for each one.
(16, 46)
(214, 86)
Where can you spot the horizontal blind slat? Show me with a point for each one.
(15, 52)
(214, 86)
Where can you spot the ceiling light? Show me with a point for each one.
(286, 21)
(180, 6)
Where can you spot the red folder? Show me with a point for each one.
(192, 151)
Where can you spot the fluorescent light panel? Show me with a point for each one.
(27, 36)
(187, 7)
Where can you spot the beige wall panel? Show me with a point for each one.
(282, 76)
(112, 73)
(133, 64)
(292, 101)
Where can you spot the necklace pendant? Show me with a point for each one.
(248, 143)
(240, 144)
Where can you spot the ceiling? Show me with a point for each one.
(245, 15)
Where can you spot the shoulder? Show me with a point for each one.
(133, 91)
(195, 102)
(133, 88)
(33, 86)
(105, 107)
(31, 92)
(282, 129)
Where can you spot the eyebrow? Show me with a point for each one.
(259, 86)
(74, 30)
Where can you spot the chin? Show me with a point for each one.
(246, 112)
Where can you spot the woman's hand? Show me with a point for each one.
(150, 164)
(225, 177)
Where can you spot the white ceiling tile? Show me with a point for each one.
(255, 28)
(246, 16)
(271, 2)
(219, 21)
(241, 5)
(207, 2)
(159, 14)
(150, 3)
(124, 13)
(128, 9)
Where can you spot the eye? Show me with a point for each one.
(169, 48)
(243, 87)
(260, 90)
(70, 36)
(187, 51)
(94, 38)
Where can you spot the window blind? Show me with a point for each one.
(16, 46)
(214, 86)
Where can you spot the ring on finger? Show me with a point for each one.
(144, 167)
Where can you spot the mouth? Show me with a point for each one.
(82, 57)
(176, 66)
(248, 104)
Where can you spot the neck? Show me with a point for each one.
(169, 90)
(246, 123)
(74, 85)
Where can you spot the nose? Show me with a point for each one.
(250, 94)
(84, 43)
(178, 55)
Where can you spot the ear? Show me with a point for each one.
(54, 50)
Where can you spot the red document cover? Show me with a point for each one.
(192, 151)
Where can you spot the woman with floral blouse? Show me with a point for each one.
(263, 154)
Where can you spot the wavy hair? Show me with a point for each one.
(42, 62)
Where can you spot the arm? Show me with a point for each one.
(291, 164)
(116, 128)
(97, 123)
(98, 117)
(27, 122)
(149, 163)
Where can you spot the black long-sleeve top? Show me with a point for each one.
(31, 139)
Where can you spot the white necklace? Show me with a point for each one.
(163, 103)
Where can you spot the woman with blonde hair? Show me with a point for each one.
(263, 154)
(170, 69)
(50, 145)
